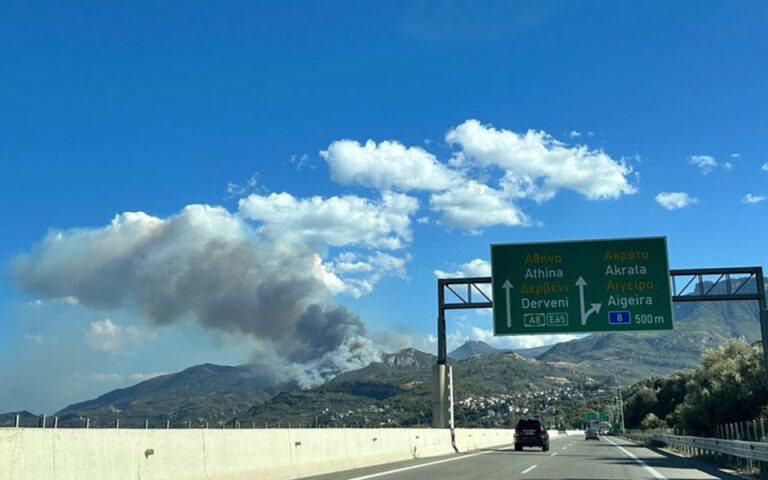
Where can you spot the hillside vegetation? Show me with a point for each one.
(729, 386)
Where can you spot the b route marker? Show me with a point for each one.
(581, 286)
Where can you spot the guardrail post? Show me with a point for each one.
(16, 421)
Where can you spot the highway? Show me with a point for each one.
(569, 458)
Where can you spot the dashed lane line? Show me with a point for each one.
(553, 454)
(528, 469)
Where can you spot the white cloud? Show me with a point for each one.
(108, 377)
(475, 205)
(460, 336)
(735, 155)
(349, 263)
(574, 134)
(39, 338)
(235, 190)
(335, 221)
(474, 268)
(749, 198)
(675, 200)
(422, 220)
(124, 378)
(386, 166)
(764, 168)
(520, 341)
(537, 166)
(107, 336)
(140, 377)
(707, 163)
(360, 275)
(301, 160)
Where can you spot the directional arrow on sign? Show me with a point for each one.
(595, 306)
(507, 286)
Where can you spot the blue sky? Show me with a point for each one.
(239, 132)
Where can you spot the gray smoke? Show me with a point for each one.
(316, 329)
(207, 264)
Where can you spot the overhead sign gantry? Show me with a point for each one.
(684, 285)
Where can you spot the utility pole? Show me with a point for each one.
(621, 410)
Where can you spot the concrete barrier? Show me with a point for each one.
(199, 454)
(430, 443)
(469, 439)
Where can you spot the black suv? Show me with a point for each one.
(531, 433)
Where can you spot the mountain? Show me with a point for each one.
(472, 348)
(26, 419)
(628, 357)
(401, 382)
(394, 392)
(489, 383)
(409, 357)
(533, 352)
(207, 392)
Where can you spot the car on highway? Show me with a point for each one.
(531, 433)
(591, 434)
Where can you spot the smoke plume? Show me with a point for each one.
(210, 265)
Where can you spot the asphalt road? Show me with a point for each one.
(569, 458)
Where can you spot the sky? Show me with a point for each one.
(281, 183)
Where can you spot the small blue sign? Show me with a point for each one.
(619, 318)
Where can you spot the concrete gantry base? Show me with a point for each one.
(440, 397)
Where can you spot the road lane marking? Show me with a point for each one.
(631, 455)
(553, 454)
(528, 469)
(565, 447)
(404, 469)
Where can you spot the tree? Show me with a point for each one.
(651, 422)
(728, 387)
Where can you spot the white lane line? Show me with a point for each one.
(553, 454)
(631, 455)
(565, 447)
(528, 469)
(405, 469)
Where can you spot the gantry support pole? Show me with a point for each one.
(763, 318)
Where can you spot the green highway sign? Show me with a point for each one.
(581, 286)
(590, 416)
(603, 417)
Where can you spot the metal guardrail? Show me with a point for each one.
(736, 448)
